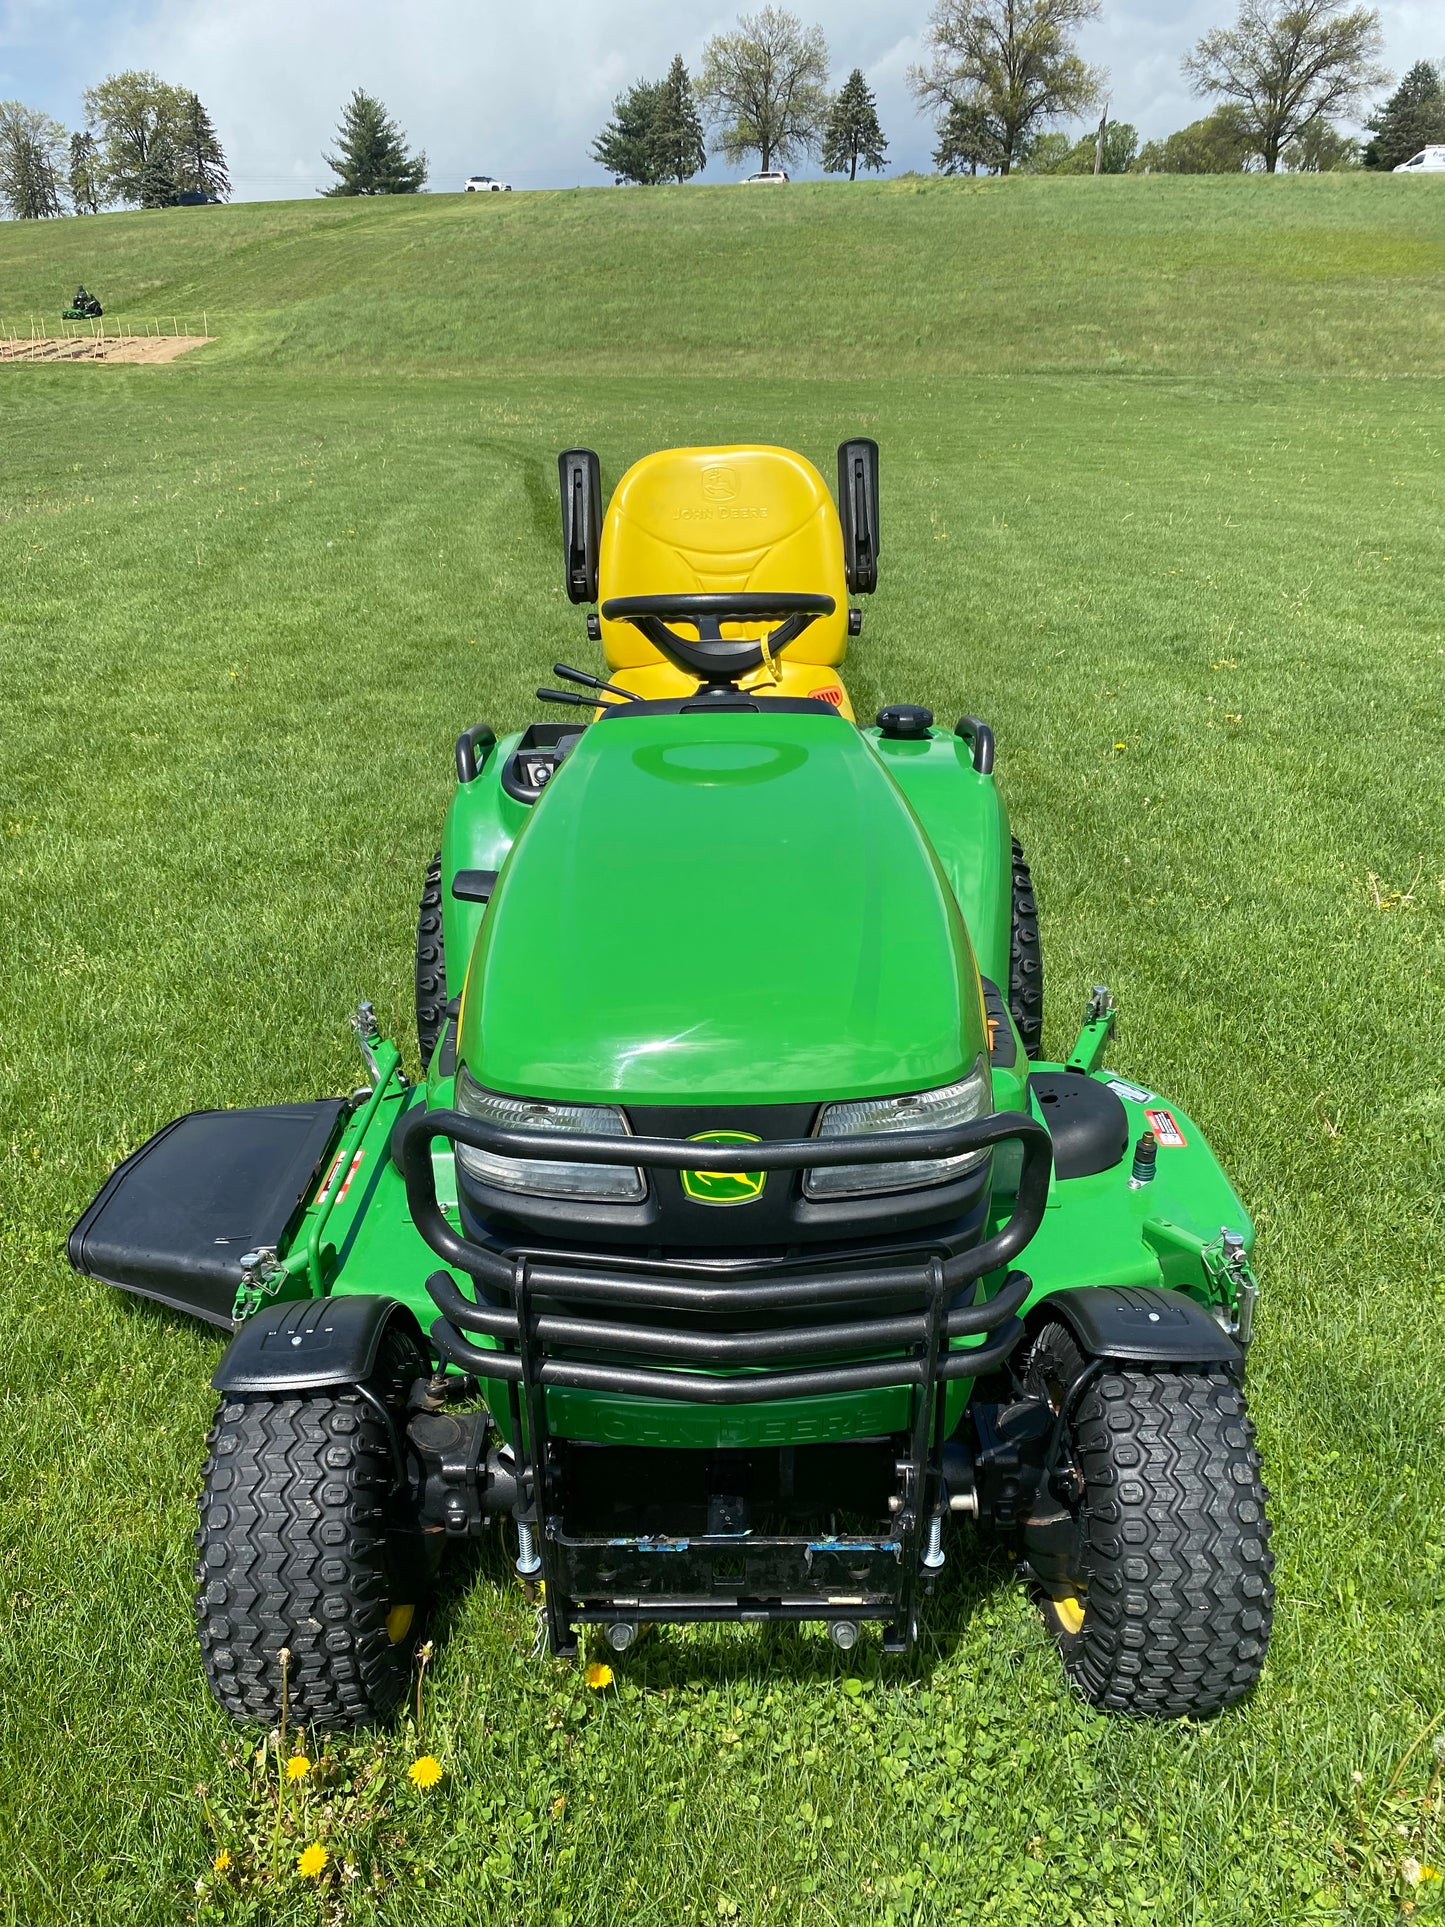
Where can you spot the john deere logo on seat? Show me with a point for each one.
(719, 483)
(724, 1187)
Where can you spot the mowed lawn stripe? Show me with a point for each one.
(1329, 274)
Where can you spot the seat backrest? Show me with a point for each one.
(706, 520)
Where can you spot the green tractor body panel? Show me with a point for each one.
(1102, 1230)
(963, 816)
(824, 883)
(819, 878)
(482, 823)
(765, 855)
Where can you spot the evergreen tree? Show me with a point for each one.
(86, 195)
(200, 158)
(32, 146)
(967, 139)
(627, 146)
(373, 157)
(852, 133)
(677, 136)
(1413, 117)
(155, 185)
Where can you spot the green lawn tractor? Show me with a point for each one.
(736, 1246)
(83, 307)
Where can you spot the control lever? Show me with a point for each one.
(565, 696)
(592, 682)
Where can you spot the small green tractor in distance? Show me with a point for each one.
(83, 307)
(737, 1246)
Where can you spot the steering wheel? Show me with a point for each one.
(718, 657)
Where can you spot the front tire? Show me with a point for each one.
(1167, 1606)
(301, 1545)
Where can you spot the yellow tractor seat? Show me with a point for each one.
(730, 521)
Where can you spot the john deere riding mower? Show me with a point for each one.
(736, 1245)
(83, 307)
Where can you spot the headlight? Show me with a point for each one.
(921, 1111)
(540, 1177)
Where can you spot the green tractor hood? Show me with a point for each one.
(739, 908)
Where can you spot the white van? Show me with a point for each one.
(1430, 160)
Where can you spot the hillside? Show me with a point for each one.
(1339, 274)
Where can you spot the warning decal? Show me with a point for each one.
(830, 693)
(1162, 1124)
(346, 1186)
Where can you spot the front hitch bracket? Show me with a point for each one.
(1101, 1020)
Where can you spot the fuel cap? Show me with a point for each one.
(908, 721)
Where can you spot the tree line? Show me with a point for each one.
(145, 143)
(999, 73)
(763, 89)
(149, 144)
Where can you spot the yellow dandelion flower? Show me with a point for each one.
(312, 1860)
(1121, 745)
(424, 1772)
(297, 1767)
(598, 1675)
(221, 1861)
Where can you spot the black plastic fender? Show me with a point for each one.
(311, 1343)
(1142, 1325)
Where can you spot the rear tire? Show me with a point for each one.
(299, 1546)
(431, 964)
(1026, 959)
(1172, 1598)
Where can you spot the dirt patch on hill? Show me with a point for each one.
(133, 348)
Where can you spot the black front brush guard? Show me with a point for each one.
(549, 1337)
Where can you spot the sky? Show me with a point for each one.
(520, 90)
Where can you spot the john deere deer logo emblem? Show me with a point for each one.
(719, 483)
(724, 1187)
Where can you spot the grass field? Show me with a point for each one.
(1163, 501)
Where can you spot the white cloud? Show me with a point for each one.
(521, 91)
